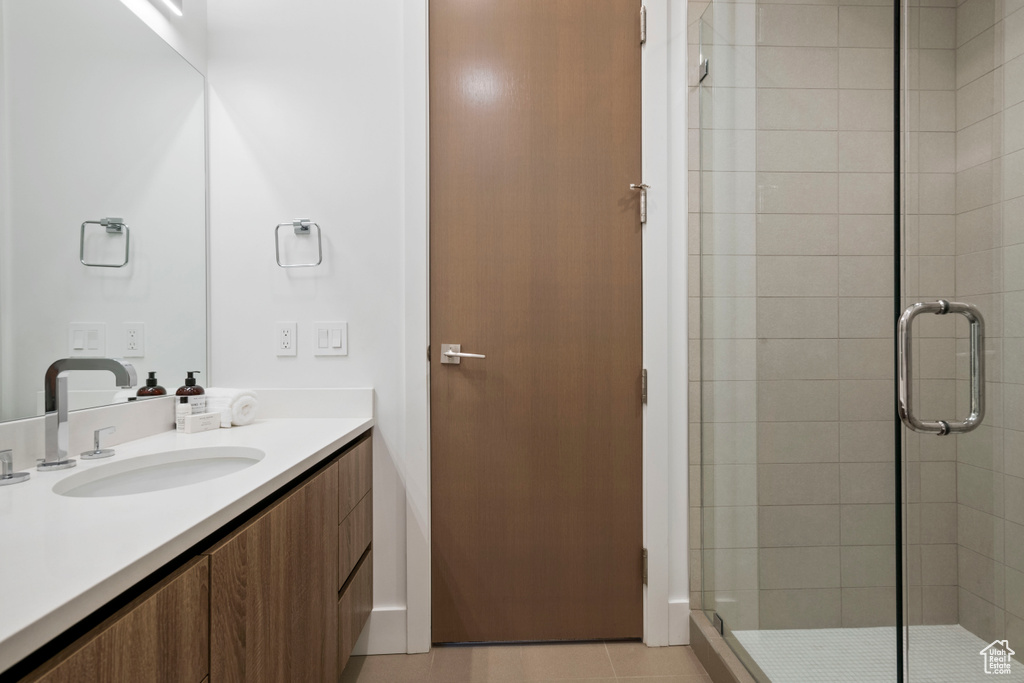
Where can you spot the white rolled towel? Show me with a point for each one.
(236, 406)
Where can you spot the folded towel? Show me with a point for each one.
(236, 406)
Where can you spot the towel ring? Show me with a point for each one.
(114, 226)
(303, 228)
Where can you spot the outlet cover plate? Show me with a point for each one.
(134, 340)
(330, 339)
(284, 339)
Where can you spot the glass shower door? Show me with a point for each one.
(962, 150)
(796, 302)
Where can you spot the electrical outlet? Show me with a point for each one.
(134, 340)
(284, 339)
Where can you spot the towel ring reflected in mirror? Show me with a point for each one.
(113, 226)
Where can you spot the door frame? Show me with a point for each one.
(666, 612)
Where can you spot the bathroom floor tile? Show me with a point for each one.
(566, 661)
(388, 669)
(469, 664)
(636, 659)
(555, 663)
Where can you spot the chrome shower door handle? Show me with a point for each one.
(977, 368)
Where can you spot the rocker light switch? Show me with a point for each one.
(331, 339)
(87, 339)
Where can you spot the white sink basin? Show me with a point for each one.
(158, 471)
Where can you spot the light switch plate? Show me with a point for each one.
(330, 339)
(284, 339)
(87, 340)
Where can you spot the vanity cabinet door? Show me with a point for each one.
(162, 636)
(274, 588)
(354, 607)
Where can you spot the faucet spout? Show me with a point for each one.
(55, 402)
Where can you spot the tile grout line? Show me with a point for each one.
(608, 654)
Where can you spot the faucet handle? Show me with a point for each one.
(96, 453)
(7, 474)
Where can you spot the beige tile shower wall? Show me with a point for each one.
(990, 273)
(824, 281)
(929, 154)
(796, 276)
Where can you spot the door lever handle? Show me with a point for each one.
(451, 354)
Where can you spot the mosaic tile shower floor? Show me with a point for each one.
(938, 654)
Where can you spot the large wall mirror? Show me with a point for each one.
(100, 118)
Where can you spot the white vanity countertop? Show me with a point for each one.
(62, 558)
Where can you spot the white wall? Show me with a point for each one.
(306, 119)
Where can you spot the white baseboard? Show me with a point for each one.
(384, 633)
(679, 622)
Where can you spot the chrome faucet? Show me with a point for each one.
(56, 403)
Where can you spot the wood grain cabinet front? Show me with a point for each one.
(273, 587)
(355, 475)
(355, 556)
(354, 608)
(162, 636)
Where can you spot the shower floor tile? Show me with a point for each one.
(938, 654)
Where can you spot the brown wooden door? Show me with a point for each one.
(535, 248)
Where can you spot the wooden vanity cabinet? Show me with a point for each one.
(355, 558)
(277, 608)
(161, 636)
(271, 587)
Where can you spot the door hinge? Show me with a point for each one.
(643, 385)
(719, 625)
(643, 24)
(644, 571)
(428, 353)
(642, 187)
(705, 67)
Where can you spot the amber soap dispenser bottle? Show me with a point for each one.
(151, 388)
(194, 392)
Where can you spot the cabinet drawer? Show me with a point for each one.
(354, 608)
(356, 533)
(356, 476)
(161, 636)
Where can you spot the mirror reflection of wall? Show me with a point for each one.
(100, 118)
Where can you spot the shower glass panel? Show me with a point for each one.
(797, 298)
(728, 311)
(963, 214)
(835, 542)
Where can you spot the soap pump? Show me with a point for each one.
(194, 392)
(151, 388)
